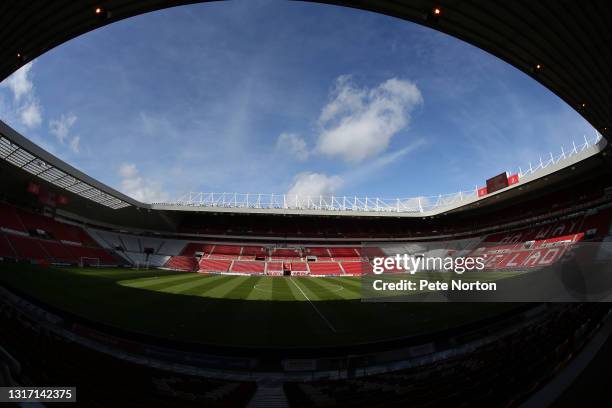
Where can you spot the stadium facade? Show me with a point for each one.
(51, 213)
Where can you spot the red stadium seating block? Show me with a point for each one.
(356, 268)
(325, 268)
(345, 253)
(5, 248)
(27, 248)
(182, 263)
(248, 267)
(215, 265)
(10, 219)
(227, 250)
(299, 267)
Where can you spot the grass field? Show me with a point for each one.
(235, 310)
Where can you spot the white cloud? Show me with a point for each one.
(138, 187)
(312, 185)
(61, 127)
(19, 82)
(128, 170)
(26, 107)
(74, 144)
(293, 144)
(359, 123)
(30, 115)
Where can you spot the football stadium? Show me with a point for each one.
(299, 300)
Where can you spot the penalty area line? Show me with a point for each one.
(314, 307)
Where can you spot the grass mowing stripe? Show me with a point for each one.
(183, 286)
(351, 281)
(192, 316)
(282, 291)
(313, 305)
(210, 282)
(320, 291)
(341, 291)
(297, 316)
(221, 291)
(242, 289)
(273, 288)
(161, 282)
(144, 279)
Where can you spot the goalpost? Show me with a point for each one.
(87, 261)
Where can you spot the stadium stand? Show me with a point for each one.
(325, 268)
(192, 248)
(274, 268)
(9, 218)
(214, 265)
(248, 267)
(287, 253)
(106, 239)
(182, 263)
(345, 253)
(30, 236)
(543, 243)
(318, 252)
(27, 248)
(356, 268)
(35, 222)
(6, 250)
(254, 251)
(299, 266)
(226, 250)
(73, 234)
(140, 259)
(493, 374)
(171, 247)
(130, 243)
(53, 358)
(548, 239)
(58, 252)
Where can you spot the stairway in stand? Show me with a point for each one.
(269, 395)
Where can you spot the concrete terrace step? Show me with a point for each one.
(269, 395)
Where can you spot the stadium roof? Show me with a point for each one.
(566, 45)
(563, 44)
(24, 154)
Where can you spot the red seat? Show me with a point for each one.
(9, 218)
(248, 267)
(58, 251)
(299, 266)
(5, 247)
(27, 248)
(182, 263)
(325, 268)
(356, 268)
(345, 253)
(317, 251)
(227, 250)
(275, 266)
(215, 265)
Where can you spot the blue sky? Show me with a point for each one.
(275, 96)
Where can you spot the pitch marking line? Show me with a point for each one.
(267, 288)
(314, 307)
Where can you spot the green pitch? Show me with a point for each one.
(235, 310)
